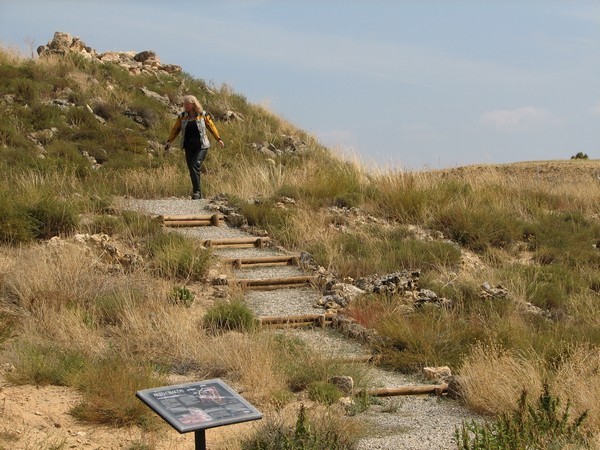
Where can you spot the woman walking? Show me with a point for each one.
(192, 123)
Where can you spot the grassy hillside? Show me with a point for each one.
(75, 134)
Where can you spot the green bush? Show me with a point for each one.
(539, 426)
(432, 336)
(108, 386)
(580, 155)
(175, 256)
(276, 221)
(106, 224)
(53, 217)
(373, 250)
(180, 295)
(231, 315)
(334, 184)
(300, 365)
(567, 238)
(478, 228)
(323, 392)
(16, 225)
(550, 286)
(45, 363)
(327, 432)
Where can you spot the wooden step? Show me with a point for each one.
(237, 242)
(201, 220)
(272, 283)
(302, 320)
(437, 389)
(282, 260)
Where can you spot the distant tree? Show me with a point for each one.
(580, 155)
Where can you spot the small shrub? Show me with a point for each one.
(140, 445)
(109, 308)
(276, 221)
(229, 316)
(323, 392)
(335, 184)
(478, 228)
(43, 364)
(327, 432)
(431, 336)
(175, 256)
(53, 217)
(108, 387)
(580, 155)
(138, 225)
(540, 426)
(15, 225)
(180, 295)
(361, 403)
(300, 365)
(104, 223)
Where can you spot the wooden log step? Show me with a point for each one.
(237, 242)
(189, 223)
(356, 359)
(192, 220)
(272, 283)
(289, 325)
(269, 320)
(303, 320)
(437, 389)
(281, 260)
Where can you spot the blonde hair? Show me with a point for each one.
(190, 99)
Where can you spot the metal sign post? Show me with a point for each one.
(199, 406)
(200, 439)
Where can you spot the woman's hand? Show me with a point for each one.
(221, 143)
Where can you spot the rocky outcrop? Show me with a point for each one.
(145, 62)
(290, 145)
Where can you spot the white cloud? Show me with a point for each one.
(518, 120)
(596, 109)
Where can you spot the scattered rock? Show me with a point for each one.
(437, 373)
(135, 63)
(488, 292)
(344, 383)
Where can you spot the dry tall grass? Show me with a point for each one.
(492, 379)
(60, 305)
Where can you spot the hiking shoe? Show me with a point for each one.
(196, 196)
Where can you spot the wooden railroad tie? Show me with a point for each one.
(272, 283)
(303, 320)
(237, 242)
(282, 260)
(437, 389)
(204, 220)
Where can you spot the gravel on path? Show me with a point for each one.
(421, 422)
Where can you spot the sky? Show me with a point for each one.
(405, 84)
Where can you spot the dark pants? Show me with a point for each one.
(194, 158)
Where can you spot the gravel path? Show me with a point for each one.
(410, 422)
(283, 302)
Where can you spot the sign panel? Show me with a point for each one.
(200, 405)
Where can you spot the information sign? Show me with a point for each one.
(198, 406)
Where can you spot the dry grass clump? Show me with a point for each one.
(576, 379)
(165, 181)
(305, 428)
(572, 379)
(497, 391)
(52, 277)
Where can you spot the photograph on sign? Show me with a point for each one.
(194, 406)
